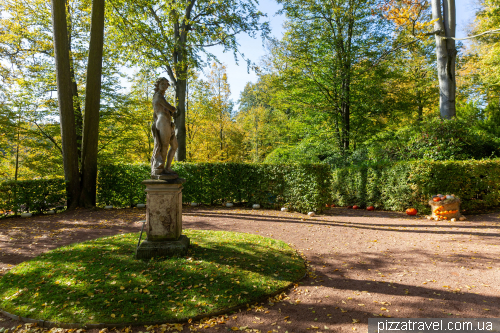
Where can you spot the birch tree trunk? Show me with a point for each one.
(444, 11)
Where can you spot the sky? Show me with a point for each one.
(254, 50)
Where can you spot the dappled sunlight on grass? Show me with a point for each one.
(101, 281)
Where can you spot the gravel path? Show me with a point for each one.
(361, 264)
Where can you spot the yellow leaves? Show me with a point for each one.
(113, 315)
(354, 321)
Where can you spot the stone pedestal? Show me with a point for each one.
(163, 219)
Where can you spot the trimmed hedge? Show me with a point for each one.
(411, 184)
(32, 195)
(300, 187)
(120, 185)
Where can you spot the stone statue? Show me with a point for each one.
(163, 131)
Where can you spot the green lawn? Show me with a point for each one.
(100, 281)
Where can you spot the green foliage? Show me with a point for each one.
(301, 187)
(120, 185)
(432, 139)
(402, 185)
(32, 195)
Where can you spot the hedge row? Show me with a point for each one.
(411, 184)
(300, 187)
(32, 195)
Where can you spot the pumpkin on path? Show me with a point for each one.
(411, 211)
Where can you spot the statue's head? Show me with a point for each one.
(159, 81)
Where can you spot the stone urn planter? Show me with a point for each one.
(141, 205)
(108, 207)
(255, 206)
(229, 204)
(446, 209)
(26, 214)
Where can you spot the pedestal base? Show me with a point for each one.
(148, 249)
(163, 209)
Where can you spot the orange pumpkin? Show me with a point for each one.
(436, 199)
(411, 211)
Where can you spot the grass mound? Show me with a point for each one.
(99, 281)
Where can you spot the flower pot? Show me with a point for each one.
(255, 206)
(141, 205)
(50, 212)
(108, 207)
(229, 204)
(26, 214)
(194, 204)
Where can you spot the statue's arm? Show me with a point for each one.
(167, 105)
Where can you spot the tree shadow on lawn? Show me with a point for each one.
(100, 281)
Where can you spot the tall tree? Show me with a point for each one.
(444, 14)
(323, 59)
(65, 98)
(90, 135)
(80, 193)
(171, 36)
(411, 15)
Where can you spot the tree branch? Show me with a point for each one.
(496, 31)
(48, 136)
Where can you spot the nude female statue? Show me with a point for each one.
(163, 131)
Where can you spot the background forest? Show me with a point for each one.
(346, 85)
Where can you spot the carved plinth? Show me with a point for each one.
(163, 219)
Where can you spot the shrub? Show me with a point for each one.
(32, 195)
(121, 184)
(302, 187)
(401, 185)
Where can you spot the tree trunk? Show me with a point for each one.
(90, 135)
(420, 106)
(446, 54)
(65, 99)
(345, 110)
(180, 120)
(74, 88)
